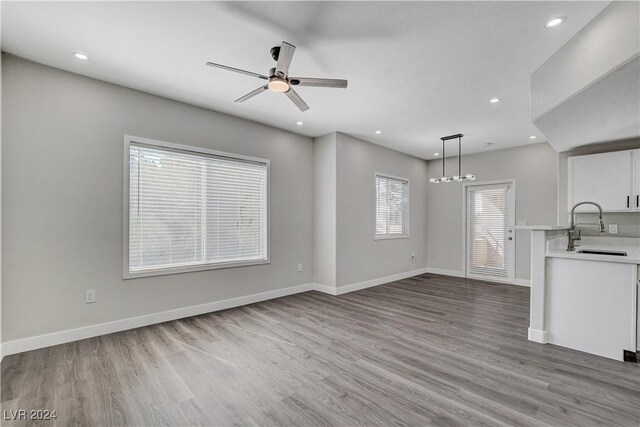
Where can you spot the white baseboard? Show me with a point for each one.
(537, 335)
(378, 281)
(454, 273)
(327, 289)
(55, 338)
(522, 282)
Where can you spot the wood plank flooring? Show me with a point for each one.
(429, 350)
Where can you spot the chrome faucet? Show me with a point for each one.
(571, 232)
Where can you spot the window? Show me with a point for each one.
(392, 207)
(192, 209)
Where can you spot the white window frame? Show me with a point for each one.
(128, 140)
(407, 233)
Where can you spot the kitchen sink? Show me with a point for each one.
(601, 252)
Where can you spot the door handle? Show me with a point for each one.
(637, 200)
(510, 238)
(627, 201)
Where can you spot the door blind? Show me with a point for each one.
(392, 197)
(188, 209)
(488, 210)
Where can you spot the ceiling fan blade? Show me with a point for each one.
(237, 70)
(252, 93)
(284, 59)
(293, 96)
(310, 81)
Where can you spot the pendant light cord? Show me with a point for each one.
(459, 156)
(443, 158)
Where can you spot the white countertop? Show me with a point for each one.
(558, 248)
(542, 227)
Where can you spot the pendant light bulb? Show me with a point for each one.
(457, 178)
(470, 177)
(445, 179)
(434, 180)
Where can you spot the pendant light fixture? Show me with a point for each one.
(459, 177)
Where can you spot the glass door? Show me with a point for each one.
(490, 238)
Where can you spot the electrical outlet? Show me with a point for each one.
(613, 228)
(90, 296)
(413, 256)
(299, 268)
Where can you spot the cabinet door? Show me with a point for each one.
(602, 178)
(635, 187)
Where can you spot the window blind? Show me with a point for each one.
(191, 209)
(488, 212)
(392, 198)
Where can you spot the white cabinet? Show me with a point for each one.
(635, 186)
(610, 179)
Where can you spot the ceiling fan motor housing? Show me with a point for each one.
(275, 52)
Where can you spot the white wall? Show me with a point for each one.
(605, 43)
(62, 201)
(360, 257)
(324, 210)
(535, 170)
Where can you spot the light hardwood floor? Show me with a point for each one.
(429, 350)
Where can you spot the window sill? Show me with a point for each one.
(391, 237)
(191, 268)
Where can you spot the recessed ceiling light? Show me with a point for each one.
(80, 55)
(532, 137)
(378, 132)
(556, 21)
(299, 123)
(436, 154)
(494, 100)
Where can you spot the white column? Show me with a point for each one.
(537, 331)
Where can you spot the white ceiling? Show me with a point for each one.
(416, 70)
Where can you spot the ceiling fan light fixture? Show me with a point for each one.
(278, 79)
(278, 85)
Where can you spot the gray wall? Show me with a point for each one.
(360, 257)
(62, 179)
(535, 170)
(324, 210)
(628, 222)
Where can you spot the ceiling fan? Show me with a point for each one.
(279, 80)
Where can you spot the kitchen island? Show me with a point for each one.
(584, 301)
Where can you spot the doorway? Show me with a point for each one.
(490, 236)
